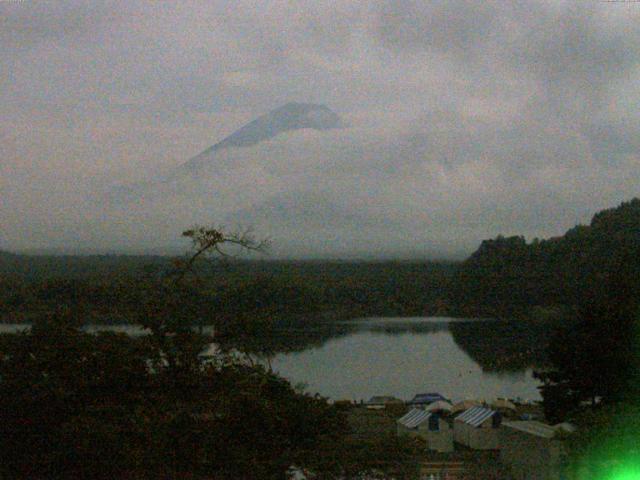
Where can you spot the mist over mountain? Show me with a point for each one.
(292, 116)
(418, 128)
(288, 118)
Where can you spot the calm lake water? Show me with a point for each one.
(402, 357)
(356, 360)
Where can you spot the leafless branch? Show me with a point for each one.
(207, 240)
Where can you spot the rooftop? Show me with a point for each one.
(538, 429)
(414, 418)
(475, 416)
(382, 399)
(427, 398)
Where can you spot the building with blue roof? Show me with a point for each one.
(424, 399)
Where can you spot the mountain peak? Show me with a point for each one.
(290, 116)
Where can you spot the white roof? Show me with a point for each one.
(503, 403)
(565, 427)
(475, 416)
(532, 427)
(414, 418)
(439, 405)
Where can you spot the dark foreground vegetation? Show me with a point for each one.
(163, 405)
(593, 380)
(75, 405)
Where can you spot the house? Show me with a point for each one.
(429, 426)
(423, 399)
(533, 450)
(382, 401)
(440, 406)
(504, 405)
(477, 428)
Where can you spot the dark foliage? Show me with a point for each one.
(107, 405)
(595, 358)
(75, 405)
(107, 291)
(507, 276)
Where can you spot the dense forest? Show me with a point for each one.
(508, 275)
(106, 286)
(504, 277)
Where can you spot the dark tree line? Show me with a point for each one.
(279, 289)
(507, 276)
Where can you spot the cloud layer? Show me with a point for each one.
(467, 119)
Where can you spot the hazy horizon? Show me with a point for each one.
(459, 121)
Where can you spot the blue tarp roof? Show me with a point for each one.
(427, 398)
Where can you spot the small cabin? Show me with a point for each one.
(478, 428)
(424, 399)
(430, 426)
(533, 450)
(440, 406)
(382, 401)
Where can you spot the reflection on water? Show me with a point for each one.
(460, 358)
(402, 357)
(133, 330)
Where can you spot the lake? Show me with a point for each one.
(405, 356)
(357, 359)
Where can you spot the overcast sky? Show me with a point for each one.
(467, 119)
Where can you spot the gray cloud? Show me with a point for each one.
(468, 119)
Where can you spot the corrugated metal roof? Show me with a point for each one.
(540, 429)
(475, 416)
(414, 418)
(532, 427)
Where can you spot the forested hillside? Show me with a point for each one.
(38, 267)
(107, 287)
(508, 275)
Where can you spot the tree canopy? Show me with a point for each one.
(162, 405)
(507, 275)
